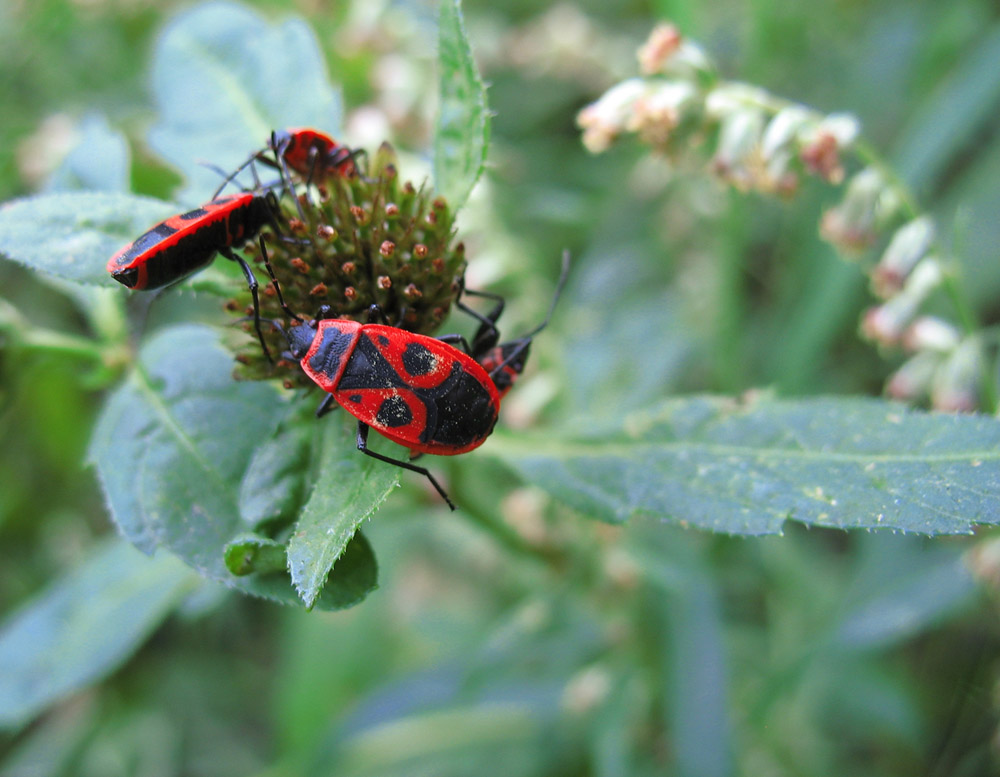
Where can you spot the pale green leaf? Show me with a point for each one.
(172, 448)
(348, 490)
(746, 468)
(275, 481)
(462, 134)
(98, 162)
(224, 78)
(84, 626)
(902, 587)
(72, 235)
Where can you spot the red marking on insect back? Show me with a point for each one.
(503, 372)
(185, 243)
(313, 153)
(330, 350)
(414, 389)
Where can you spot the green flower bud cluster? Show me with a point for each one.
(350, 243)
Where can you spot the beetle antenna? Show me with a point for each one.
(563, 275)
(525, 341)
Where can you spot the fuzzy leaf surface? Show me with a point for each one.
(172, 447)
(223, 78)
(348, 490)
(73, 234)
(99, 160)
(84, 625)
(747, 468)
(462, 134)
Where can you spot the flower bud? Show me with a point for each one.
(845, 128)
(737, 157)
(852, 225)
(983, 560)
(930, 333)
(912, 382)
(908, 246)
(777, 150)
(956, 383)
(783, 129)
(603, 120)
(886, 323)
(354, 253)
(662, 44)
(660, 111)
(823, 143)
(586, 690)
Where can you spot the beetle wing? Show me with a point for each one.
(418, 391)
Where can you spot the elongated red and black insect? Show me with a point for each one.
(183, 244)
(419, 391)
(313, 155)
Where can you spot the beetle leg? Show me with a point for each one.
(327, 405)
(289, 187)
(363, 447)
(456, 339)
(314, 165)
(252, 285)
(487, 335)
(274, 280)
(344, 154)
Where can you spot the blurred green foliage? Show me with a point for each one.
(513, 632)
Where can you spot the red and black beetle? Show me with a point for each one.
(419, 391)
(312, 154)
(183, 244)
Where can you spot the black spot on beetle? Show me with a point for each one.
(394, 412)
(417, 359)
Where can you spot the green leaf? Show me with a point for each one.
(274, 483)
(98, 161)
(349, 489)
(173, 442)
(224, 78)
(253, 553)
(172, 448)
(747, 468)
(84, 626)
(73, 235)
(687, 612)
(463, 127)
(901, 589)
(964, 105)
(459, 740)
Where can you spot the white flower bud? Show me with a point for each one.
(851, 225)
(930, 333)
(661, 110)
(737, 157)
(912, 382)
(783, 129)
(603, 120)
(908, 246)
(957, 380)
